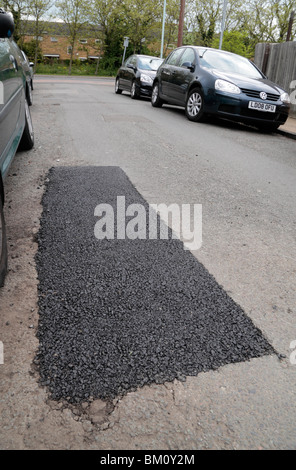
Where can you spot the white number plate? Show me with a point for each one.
(259, 106)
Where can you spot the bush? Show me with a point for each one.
(78, 68)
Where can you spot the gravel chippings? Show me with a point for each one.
(115, 315)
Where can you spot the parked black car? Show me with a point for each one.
(136, 75)
(16, 128)
(213, 82)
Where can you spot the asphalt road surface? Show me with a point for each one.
(245, 182)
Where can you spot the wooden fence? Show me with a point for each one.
(278, 63)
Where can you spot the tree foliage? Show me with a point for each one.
(75, 13)
(247, 23)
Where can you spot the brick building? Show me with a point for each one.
(54, 41)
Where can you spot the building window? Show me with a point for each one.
(53, 39)
(69, 49)
(83, 41)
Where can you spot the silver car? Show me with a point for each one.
(16, 129)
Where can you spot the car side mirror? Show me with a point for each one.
(130, 66)
(31, 64)
(6, 24)
(189, 65)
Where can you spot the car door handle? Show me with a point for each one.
(166, 72)
(13, 61)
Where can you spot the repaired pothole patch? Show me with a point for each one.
(117, 314)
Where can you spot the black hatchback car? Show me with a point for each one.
(136, 75)
(213, 82)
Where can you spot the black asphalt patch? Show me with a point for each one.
(116, 315)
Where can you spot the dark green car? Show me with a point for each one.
(16, 130)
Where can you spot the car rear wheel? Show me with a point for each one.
(195, 105)
(156, 101)
(118, 91)
(134, 91)
(3, 246)
(27, 140)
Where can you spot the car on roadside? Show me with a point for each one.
(211, 82)
(16, 129)
(136, 75)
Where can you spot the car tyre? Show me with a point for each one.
(134, 91)
(195, 105)
(156, 101)
(3, 246)
(27, 140)
(118, 90)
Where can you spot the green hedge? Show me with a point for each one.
(77, 69)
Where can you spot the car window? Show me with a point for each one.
(129, 60)
(149, 63)
(228, 63)
(174, 58)
(188, 56)
(134, 60)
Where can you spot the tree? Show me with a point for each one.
(269, 19)
(75, 13)
(236, 42)
(138, 17)
(37, 8)
(203, 19)
(171, 22)
(108, 16)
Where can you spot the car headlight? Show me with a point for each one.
(285, 98)
(145, 78)
(227, 87)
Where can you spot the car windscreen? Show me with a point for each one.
(148, 63)
(227, 63)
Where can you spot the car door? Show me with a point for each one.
(131, 70)
(10, 103)
(123, 74)
(166, 71)
(182, 75)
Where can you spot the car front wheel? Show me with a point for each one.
(156, 101)
(134, 91)
(195, 105)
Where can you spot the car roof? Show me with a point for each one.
(206, 48)
(145, 55)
